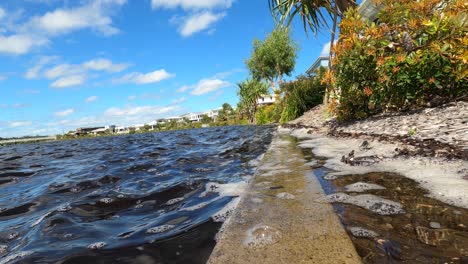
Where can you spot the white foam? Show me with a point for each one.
(227, 211)
(39, 220)
(198, 206)
(12, 257)
(443, 179)
(261, 235)
(227, 189)
(106, 200)
(159, 229)
(362, 232)
(174, 201)
(362, 187)
(3, 249)
(97, 245)
(370, 202)
(285, 196)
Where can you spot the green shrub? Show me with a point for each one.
(301, 95)
(416, 53)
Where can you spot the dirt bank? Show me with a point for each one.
(432, 132)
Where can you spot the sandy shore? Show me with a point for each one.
(434, 154)
(432, 132)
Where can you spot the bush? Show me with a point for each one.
(417, 52)
(301, 95)
(269, 114)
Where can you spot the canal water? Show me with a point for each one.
(147, 198)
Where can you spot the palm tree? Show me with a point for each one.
(312, 13)
(249, 92)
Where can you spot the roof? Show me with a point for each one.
(316, 64)
(368, 9)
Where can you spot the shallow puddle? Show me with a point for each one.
(428, 231)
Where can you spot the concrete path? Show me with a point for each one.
(278, 219)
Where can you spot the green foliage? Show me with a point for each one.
(269, 114)
(273, 57)
(312, 12)
(416, 53)
(206, 119)
(301, 95)
(249, 92)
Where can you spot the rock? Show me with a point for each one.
(434, 225)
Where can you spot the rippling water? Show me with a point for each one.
(148, 198)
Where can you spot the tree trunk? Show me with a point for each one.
(330, 55)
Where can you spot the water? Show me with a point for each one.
(148, 198)
(425, 231)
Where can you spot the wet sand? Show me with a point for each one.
(280, 218)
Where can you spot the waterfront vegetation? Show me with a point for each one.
(414, 56)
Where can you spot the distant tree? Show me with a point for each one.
(206, 119)
(146, 127)
(273, 58)
(249, 92)
(225, 114)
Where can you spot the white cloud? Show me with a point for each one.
(104, 65)
(199, 22)
(209, 85)
(3, 77)
(69, 81)
(132, 97)
(191, 4)
(65, 112)
(2, 13)
(145, 78)
(19, 44)
(66, 75)
(139, 110)
(325, 50)
(19, 123)
(183, 89)
(34, 72)
(38, 30)
(91, 99)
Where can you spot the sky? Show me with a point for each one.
(74, 63)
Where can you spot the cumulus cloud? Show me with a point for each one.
(3, 77)
(66, 75)
(38, 30)
(200, 15)
(132, 97)
(69, 81)
(205, 86)
(19, 124)
(65, 112)
(199, 22)
(145, 78)
(91, 99)
(191, 4)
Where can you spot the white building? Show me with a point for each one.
(321, 61)
(266, 100)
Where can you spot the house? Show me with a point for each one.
(122, 130)
(321, 61)
(266, 100)
(213, 114)
(86, 130)
(368, 10)
(99, 131)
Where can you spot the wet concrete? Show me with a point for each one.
(280, 219)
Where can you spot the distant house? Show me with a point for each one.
(122, 130)
(99, 131)
(86, 130)
(368, 10)
(266, 100)
(321, 61)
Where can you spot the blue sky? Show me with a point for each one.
(66, 64)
